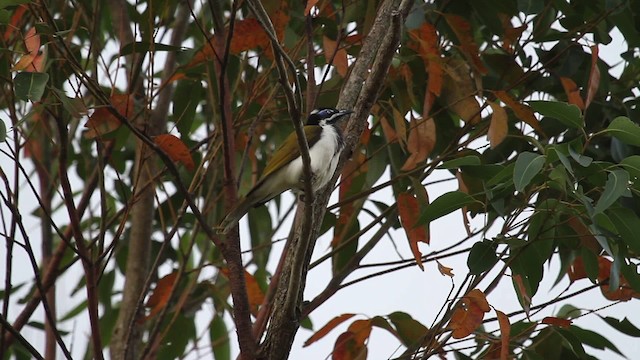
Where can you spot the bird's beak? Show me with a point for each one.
(344, 113)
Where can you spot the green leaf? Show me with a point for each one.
(410, 331)
(185, 100)
(3, 131)
(627, 225)
(445, 204)
(624, 326)
(575, 345)
(616, 185)
(583, 160)
(626, 130)
(593, 339)
(632, 165)
(145, 46)
(30, 86)
(568, 114)
(219, 336)
(260, 230)
(482, 257)
(463, 161)
(7, 3)
(528, 165)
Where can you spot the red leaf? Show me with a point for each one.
(176, 149)
(409, 211)
(505, 333)
(594, 77)
(554, 321)
(327, 328)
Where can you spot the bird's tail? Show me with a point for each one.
(236, 213)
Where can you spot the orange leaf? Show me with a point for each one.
(462, 29)
(32, 41)
(499, 127)
(361, 329)
(161, 294)
(248, 35)
(594, 77)
(346, 348)
(254, 292)
(427, 47)
(523, 112)
(572, 91)
(468, 315)
(505, 333)
(14, 22)
(554, 321)
(409, 211)
(337, 57)
(102, 121)
(446, 271)
(32, 46)
(176, 149)
(327, 328)
(422, 139)
(310, 5)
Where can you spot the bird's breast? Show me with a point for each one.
(324, 155)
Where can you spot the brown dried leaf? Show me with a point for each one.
(594, 77)
(462, 28)
(337, 56)
(505, 333)
(459, 90)
(499, 127)
(523, 112)
(409, 211)
(422, 139)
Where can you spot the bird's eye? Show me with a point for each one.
(326, 113)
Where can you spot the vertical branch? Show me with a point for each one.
(90, 269)
(231, 251)
(137, 265)
(378, 50)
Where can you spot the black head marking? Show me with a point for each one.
(323, 116)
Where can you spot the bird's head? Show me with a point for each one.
(326, 116)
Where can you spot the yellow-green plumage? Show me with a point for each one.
(284, 170)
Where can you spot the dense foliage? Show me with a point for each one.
(127, 128)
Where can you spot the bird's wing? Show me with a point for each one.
(289, 150)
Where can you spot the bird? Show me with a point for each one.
(284, 170)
